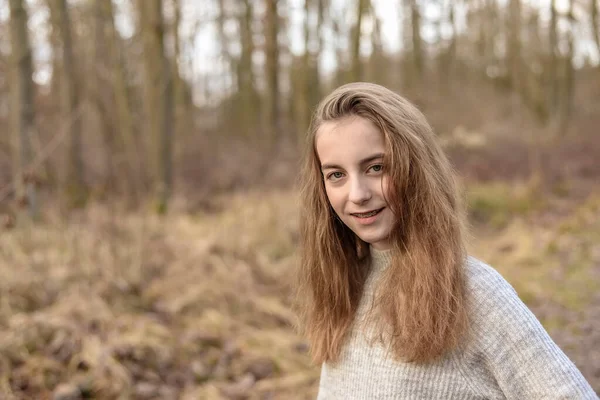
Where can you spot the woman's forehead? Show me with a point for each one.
(350, 140)
(346, 127)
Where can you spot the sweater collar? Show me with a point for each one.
(380, 259)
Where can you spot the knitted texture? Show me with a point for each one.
(509, 355)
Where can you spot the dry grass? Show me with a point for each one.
(117, 305)
(134, 306)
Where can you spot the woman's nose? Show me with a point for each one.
(359, 191)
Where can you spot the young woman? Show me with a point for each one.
(392, 305)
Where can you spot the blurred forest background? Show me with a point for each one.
(149, 155)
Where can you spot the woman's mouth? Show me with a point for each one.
(367, 217)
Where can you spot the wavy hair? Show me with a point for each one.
(421, 299)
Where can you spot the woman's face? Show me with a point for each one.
(351, 153)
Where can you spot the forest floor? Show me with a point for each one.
(197, 305)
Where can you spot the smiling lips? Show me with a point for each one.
(367, 217)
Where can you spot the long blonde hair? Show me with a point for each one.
(422, 299)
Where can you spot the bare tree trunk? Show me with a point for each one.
(180, 105)
(377, 60)
(568, 78)
(247, 94)
(231, 69)
(416, 39)
(302, 78)
(412, 6)
(482, 34)
(23, 91)
(159, 103)
(341, 73)
(534, 84)
(448, 55)
(402, 77)
(272, 73)
(322, 5)
(594, 18)
(181, 88)
(76, 188)
(452, 49)
(165, 186)
(222, 36)
(245, 101)
(99, 119)
(514, 44)
(553, 65)
(491, 19)
(306, 79)
(125, 124)
(356, 70)
(55, 44)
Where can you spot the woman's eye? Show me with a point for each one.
(377, 168)
(335, 175)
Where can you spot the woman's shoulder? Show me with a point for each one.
(481, 276)
(497, 314)
(518, 352)
(495, 305)
(488, 290)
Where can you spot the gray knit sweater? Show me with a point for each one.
(510, 356)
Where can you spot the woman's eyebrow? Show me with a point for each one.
(362, 162)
